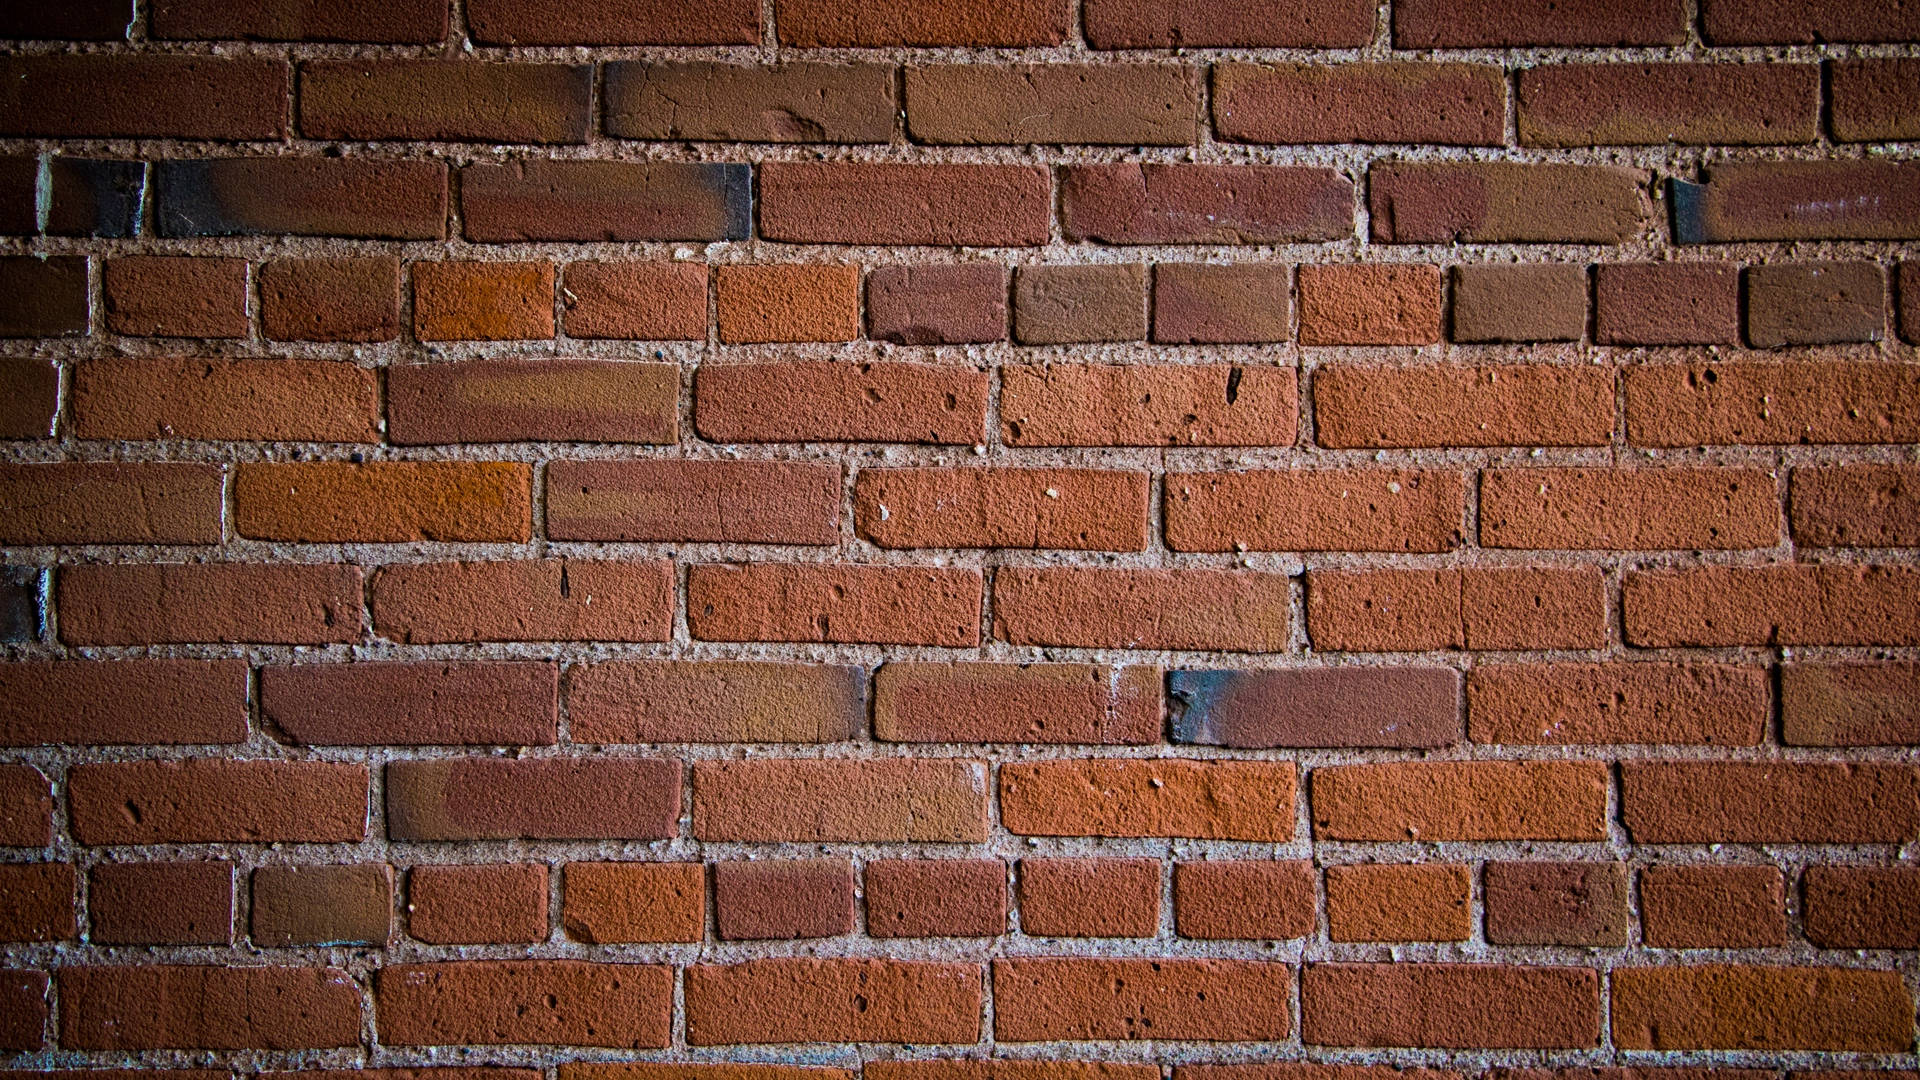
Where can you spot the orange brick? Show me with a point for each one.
(173, 603)
(1236, 610)
(676, 501)
(531, 600)
(1710, 704)
(1364, 407)
(482, 301)
(497, 1002)
(102, 502)
(834, 603)
(1726, 1006)
(533, 798)
(278, 400)
(1373, 304)
(1774, 605)
(1422, 902)
(1243, 899)
(384, 501)
(1857, 506)
(787, 303)
(503, 903)
(1632, 509)
(821, 401)
(1713, 907)
(1720, 403)
(1148, 405)
(1045, 999)
(1449, 1005)
(621, 902)
(636, 301)
(1316, 510)
(1474, 608)
(1084, 509)
(1801, 802)
(1221, 800)
(1090, 897)
(933, 701)
(1461, 800)
(790, 1000)
(897, 800)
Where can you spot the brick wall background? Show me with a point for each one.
(1042, 540)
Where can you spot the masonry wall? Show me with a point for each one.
(1042, 540)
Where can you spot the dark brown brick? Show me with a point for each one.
(613, 22)
(1799, 200)
(21, 613)
(1449, 1005)
(29, 394)
(445, 100)
(26, 807)
(42, 297)
(880, 23)
(1025, 104)
(586, 201)
(215, 800)
(386, 22)
(1874, 100)
(1557, 903)
(705, 101)
(887, 203)
(1863, 907)
(1815, 303)
(714, 701)
(1437, 24)
(73, 502)
(423, 702)
(114, 95)
(23, 1021)
(1712, 907)
(1205, 303)
(318, 196)
(131, 701)
(591, 798)
(763, 502)
(1154, 24)
(176, 296)
(321, 905)
(1205, 204)
(932, 701)
(1243, 899)
(37, 902)
(1519, 303)
(1090, 897)
(1407, 707)
(937, 305)
(330, 299)
(1660, 104)
(1666, 304)
(1807, 22)
(129, 1007)
(1850, 704)
(936, 898)
(183, 603)
(548, 399)
(1396, 102)
(1492, 203)
(782, 898)
(1857, 506)
(161, 903)
(77, 20)
(638, 301)
(85, 196)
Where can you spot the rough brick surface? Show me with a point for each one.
(1417, 203)
(227, 602)
(713, 102)
(201, 1007)
(477, 905)
(840, 801)
(1205, 204)
(1090, 898)
(1449, 1005)
(760, 502)
(1712, 907)
(788, 898)
(624, 902)
(1399, 707)
(1446, 104)
(1736, 1007)
(1356, 406)
(786, 1000)
(1053, 103)
(1324, 510)
(719, 701)
(614, 798)
(1495, 608)
(1557, 903)
(1850, 704)
(383, 501)
(1423, 902)
(1054, 998)
(1229, 800)
(1243, 899)
(936, 898)
(1148, 405)
(506, 1001)
(162, 903)
(1480, 800)
(1708, 802)
(1233, 610)
(819, 401)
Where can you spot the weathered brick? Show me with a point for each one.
(793, 999)
(1449, 1005)
(84, 196)
(161, 903)
(897, 800)
(392, 501)
(1369, 304)
(1026, 104)
(1396, 102)
(1471, 608)
(1850, 704)
(706, 101)
(1316, 1071)
(1205, 303)
(495, 1002)
(1065, 305)
(1461, 800)
(26, 807)
(1659, 104)
(898, 605)
(1557, 903)
(1760, 1008)
(482, 301)
(445, 100)
(1083, 509)
(1232, 610)
(73, 502)
(879, 23)
(78, 20)
(1205, 204)
(1362, 406)
(330, 299)
(613, 22)
(1572, 703)
(129, 1007)
(386, 22)
(785, 303)
(1494, 304)
(636, 301)
(1805, 22)
(1874, 99)
(588, 201)
(1815, 303)
(1799, 200)
(214, 800)
(37, 902)
(317, 905)
(21, 614)
(1148, 405)
(1208, 800)
(1857, 506)
(1631, 509)
(1047, 999)
(887, 203)
(934, 701)
(1712, 907)
(783, 898)
(1863, 907)
(714, 701)
(1666, 304)
(584, 798)
(626, 902)
(1090, 897)
(1409, 707)
(936, 898)
(176, 296)
(1423, 902)
(937, 305)
(1708, 402)
(1722, 802)
(1774, 605)
(1908, 289)
(531, 600)
(548, 399)
(478, 905)
(1243, 899)
(23, 1023)
(43, 297)
(823, 401)
(1493, 203)
(131, 701)
(413, 702)
(1152, 24)
(1315, 510)
(124, 95)
(1440, 24)
(29, 397)
(180, 603)
(267, 400)
(298, 196)
(662, 1070)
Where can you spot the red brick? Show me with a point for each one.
(823, 401)
(1659, 104)
(936, 898)
(90, 703)
(707, 101)
(1090, 897)
(1863, 907)
(1370, 304)
(760, 502)
(782, 898)
(1857, 506)
(1205, 204)
(613, 22)
(1708, 402)
(482, 301)
(1572, 703)
(26, 807)
(1315, 510)
(1774, 605)
(1473, 608)
(37, 902)
(617, 903)
(1632, 509)
(1025, 104)
(209, 602)
(281, 399)
(937, 305)
(1316, 1071)
(1317, 707)
(316, 905)
(29, 396)
(1760, 1008)
(445, 100)
(879, 23)
(714, 701)
(176, 296)
(498, 1002)
(636, 301)
(212, 801)
(1850, 704)
(161, 903)
(1799, 200)
(1065, 305)
(1437, 24)
(1450, 405)
(932, 701)
(1398, 102)
(787, 303)
(1501, 303)
(1153, 24)
(396, 22)
(1048, 999)
(581, 798)
(662, 1070)
(790, 1000)
(1424, 902)
(1557, 903)
(23, 1021)
(589, 201)
(1712, 907)
(1232, 610)
(1208, 800)
(1148, 405)
(1666, 304)
(545, 399)
(882, 605)
(888, 800)
(1806, 22)
(1461, 800)
(80, 20)
(1207, 303)
(529, 600)
(413, 702)
(1873, 99)
(1449, 1005)
(1815, 303)
(887, 203)
(1084, 509)
(1497, 202)
(43, 297)
(128, 1007)
(504, 903)
(1710, 802)
(74, 502)
(390, 501)
(318, 196)
(115, 95)
(1243, 899)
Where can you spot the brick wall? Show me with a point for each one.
(1037, 540)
